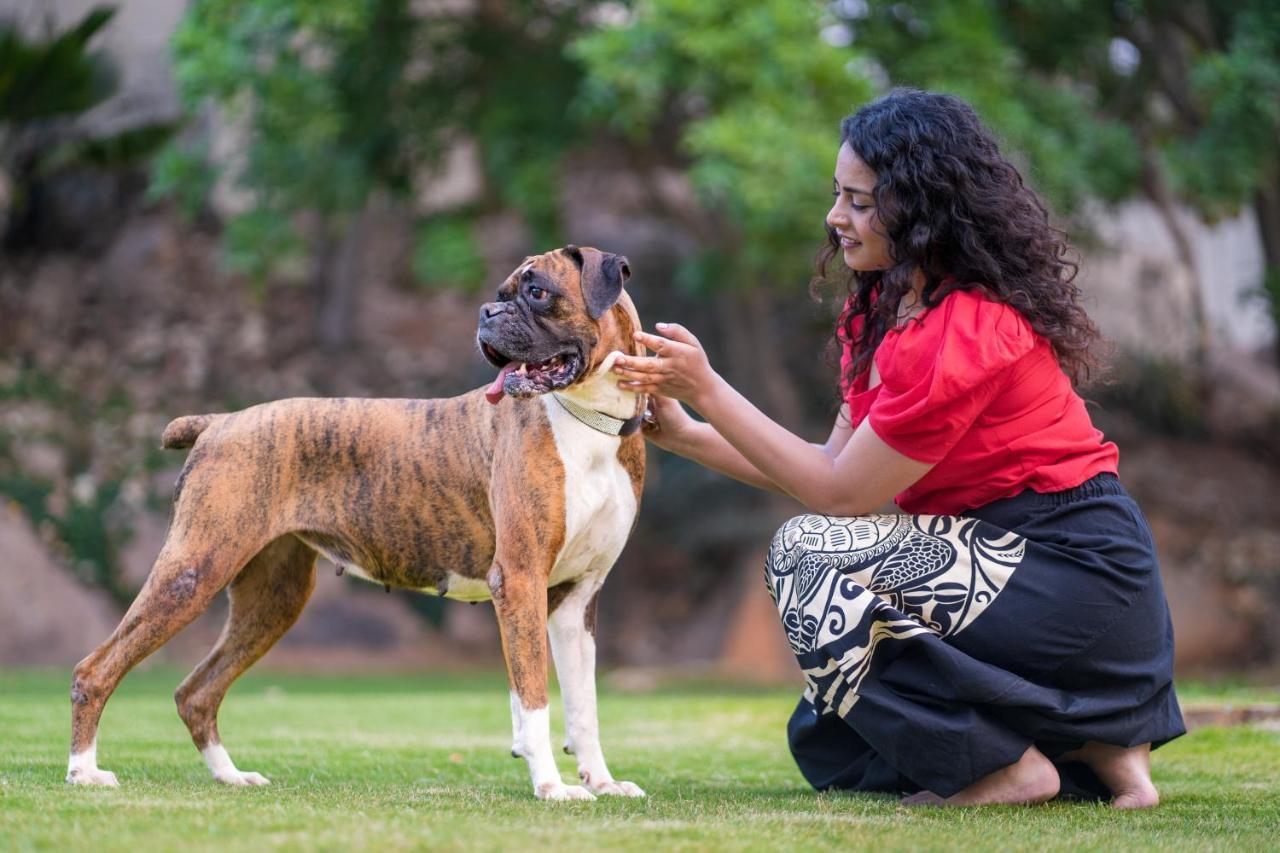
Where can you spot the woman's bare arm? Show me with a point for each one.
(701, 443)
(861, 477)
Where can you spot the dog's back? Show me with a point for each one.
(379, 486)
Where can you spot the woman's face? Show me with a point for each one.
(853, 216)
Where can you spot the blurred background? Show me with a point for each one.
(205, 205)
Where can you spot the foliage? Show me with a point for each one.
(447, 254)
(418, 761)
(342, 99)
(58, 77)
(1073, 153)
(82, 514)
(183, 172)
(1109, 99)
(1233, 152)
(45, 86)
(756, 95)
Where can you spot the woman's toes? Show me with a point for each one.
(924, 798)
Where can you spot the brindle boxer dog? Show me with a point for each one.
(526, 501)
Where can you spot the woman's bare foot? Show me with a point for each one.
(1031, 779)
(1125, 770)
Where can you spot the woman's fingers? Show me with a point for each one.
(653, 342)
(641, 387)
(678, 333)
(638, 364)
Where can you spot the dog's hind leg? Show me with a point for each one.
(572, 628)
(181, 584)
(266, 599)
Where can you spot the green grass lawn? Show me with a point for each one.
(422, 761)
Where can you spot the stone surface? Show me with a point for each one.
(49, 618)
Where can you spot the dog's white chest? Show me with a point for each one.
(599, 500)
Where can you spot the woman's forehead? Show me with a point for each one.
(851, 171)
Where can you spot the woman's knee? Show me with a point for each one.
(786, 549)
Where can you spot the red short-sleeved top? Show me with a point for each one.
(969, 387)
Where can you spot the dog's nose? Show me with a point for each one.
(492, 309)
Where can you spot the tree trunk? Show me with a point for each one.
(1266, 209)
(1153, 186)
(338, 282)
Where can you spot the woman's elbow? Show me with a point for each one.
(841, 504)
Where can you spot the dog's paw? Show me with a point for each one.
(616, 788)
(93, 776)
(242, 778)
(561, 791)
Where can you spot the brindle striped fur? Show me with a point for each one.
(407, 490)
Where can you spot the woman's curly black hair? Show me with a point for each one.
(951, 205)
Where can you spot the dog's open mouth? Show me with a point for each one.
(528, 379)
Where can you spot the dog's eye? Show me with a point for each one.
(536, 292)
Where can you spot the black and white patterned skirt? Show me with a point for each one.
(937, 649)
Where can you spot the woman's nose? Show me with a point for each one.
(836, 217)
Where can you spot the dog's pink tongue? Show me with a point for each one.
(494, 392)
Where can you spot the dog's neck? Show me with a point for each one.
(599, 392)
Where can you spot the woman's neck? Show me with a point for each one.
(912, 302)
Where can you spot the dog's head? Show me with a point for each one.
(552, 325)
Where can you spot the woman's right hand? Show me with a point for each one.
(666, 423)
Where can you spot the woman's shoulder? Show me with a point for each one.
(967, 331)
(970, 312)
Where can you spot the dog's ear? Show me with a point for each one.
(603, 275)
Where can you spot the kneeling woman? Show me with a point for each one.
(1006, 639)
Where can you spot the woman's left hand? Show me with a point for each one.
(678, 368)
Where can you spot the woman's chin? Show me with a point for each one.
(852, 262)
(856, 260)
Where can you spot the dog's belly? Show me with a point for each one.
(600, 500)
(421, 572)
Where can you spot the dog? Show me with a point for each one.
(523, 493)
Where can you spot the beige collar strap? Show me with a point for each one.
(599, 421)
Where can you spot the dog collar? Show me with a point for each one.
(599, 421)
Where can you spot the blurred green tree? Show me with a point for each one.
(339, 100)
(47, 83)
(1104, 100)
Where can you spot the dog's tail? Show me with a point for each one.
(183, 432)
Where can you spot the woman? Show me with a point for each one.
(1006, 639)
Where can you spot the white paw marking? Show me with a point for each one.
(561, 791)
(92, 776)
(243, 779)
(82, 769)
(616, 788)
(224, 771)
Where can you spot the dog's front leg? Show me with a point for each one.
(572, 627)
(520, 601)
